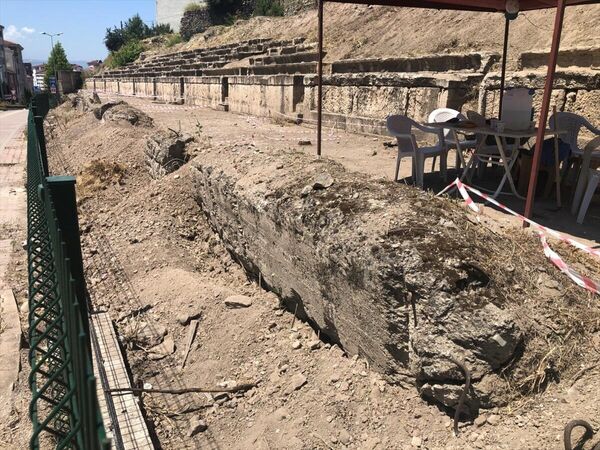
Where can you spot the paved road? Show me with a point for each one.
(11, 122)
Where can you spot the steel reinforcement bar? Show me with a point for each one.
(64, 407)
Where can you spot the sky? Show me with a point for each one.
(82, 22)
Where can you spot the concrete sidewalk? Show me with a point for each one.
(12, 224)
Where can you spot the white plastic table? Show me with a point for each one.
(508, 160)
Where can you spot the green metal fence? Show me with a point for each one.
(64, 407)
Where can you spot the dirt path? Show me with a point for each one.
(154, 263)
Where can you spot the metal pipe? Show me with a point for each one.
(320, 77)
(558, 23)
(503, 76)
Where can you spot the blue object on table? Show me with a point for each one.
(564, 151)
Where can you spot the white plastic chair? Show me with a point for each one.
(588, 182)
(441, 115)
(402, 128)
(572, 124)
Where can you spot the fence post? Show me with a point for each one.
(62, 190)
(39, 131)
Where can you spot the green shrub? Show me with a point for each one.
(134, 29)
(126, 54)
(173, 39)
(223, 11)
(193, 7)
(268, 8)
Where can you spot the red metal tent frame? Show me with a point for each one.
(498, 6)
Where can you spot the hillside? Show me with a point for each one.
(358, 31)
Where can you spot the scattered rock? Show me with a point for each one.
(238, 301)
(306, 190)
(183, 318)
(221, 397)
(296, 344)
(99, 111)
(314, 345)
(197, 426)
(493, 419)
(344, 436)
(322, 181)
(304, 142)
(296, 382)
(146, 335)
(165, 348)
(125, 113)
(416, 441)
(480, 420)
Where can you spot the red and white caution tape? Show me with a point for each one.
(580, 280)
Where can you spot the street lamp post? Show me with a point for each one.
(52, 44)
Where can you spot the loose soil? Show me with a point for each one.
(152, 260)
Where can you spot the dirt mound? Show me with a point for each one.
(357, 31)
(151, 258)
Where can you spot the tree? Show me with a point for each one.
(135, 29)
(114, 39)
(57, 61)
(160, 28)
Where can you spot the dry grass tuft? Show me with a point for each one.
(98, 175)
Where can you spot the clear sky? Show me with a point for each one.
(83, 23)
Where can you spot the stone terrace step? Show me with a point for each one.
(274, 69)
(285, 59)
(435, 63)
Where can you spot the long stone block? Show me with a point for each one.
(476, 62)
(169, 88)
(364, 260)
(204, 91)
(574, 57)
(266, 95)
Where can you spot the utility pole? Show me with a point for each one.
(52, 44)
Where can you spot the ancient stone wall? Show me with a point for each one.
(356, 268)
(264, 95)
(144, 87)
(169, 89)
(357, 94)
(204, 91)
(574, 57)
(377, 95)
(127, 86)
(574, 90)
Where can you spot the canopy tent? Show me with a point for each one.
(497, 6)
